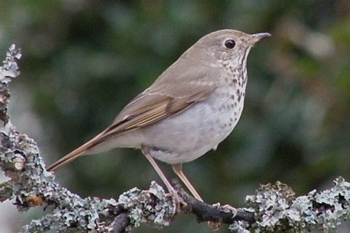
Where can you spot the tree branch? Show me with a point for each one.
(273, 208)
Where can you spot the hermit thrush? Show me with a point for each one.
(188, 110)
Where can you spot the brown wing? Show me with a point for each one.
(174, 91)
(153, 105)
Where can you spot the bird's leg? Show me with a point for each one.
(177, 200)
(178, 171)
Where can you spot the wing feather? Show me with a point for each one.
(148, 108)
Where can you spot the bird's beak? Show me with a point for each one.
(258, 36)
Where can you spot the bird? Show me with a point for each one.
(188, 110)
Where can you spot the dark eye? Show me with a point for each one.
(230, 44)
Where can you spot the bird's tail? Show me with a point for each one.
(75, 153)
(67, 158)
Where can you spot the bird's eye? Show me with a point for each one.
(230, 44)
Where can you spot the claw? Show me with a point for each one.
(177, 201)
(214, 225)
(230, 208)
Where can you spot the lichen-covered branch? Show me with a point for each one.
(29, 184)
(277, 209)
(273, 208)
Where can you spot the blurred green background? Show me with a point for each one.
(84, 60)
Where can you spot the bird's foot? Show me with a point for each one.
(233, 210)
(215, 225)
(177, 200)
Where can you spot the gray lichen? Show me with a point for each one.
(159, 212)
(31, 185)
(278, 210)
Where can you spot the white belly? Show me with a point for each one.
(190, 134)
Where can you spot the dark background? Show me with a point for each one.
(84, 60)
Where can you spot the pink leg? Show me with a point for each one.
(177, 200)
(178, 171)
